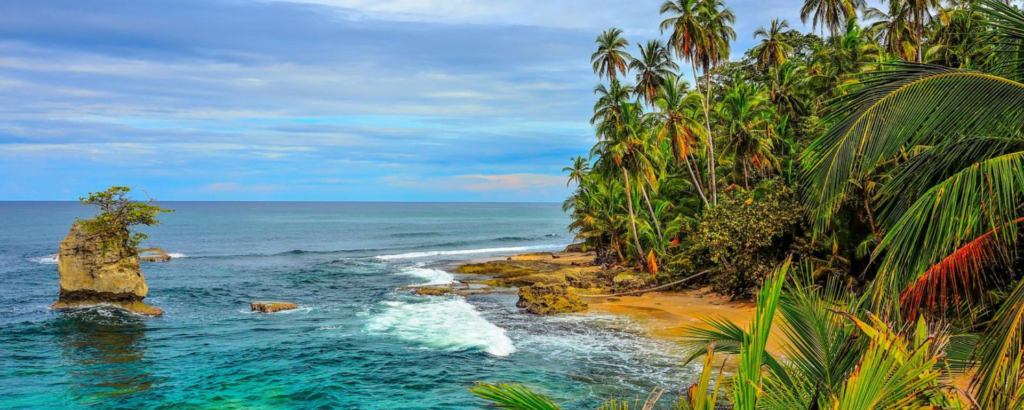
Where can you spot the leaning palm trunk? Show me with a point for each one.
(632, 216)
(712, 183)
(696, 182)
(657, 225)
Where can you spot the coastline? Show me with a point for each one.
(660, 314)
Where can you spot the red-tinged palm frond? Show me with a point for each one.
(957, 276)
(980, 201)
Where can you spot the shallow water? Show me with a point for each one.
(355, 342)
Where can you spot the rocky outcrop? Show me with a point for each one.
(98, 272)
(544, 299)
(154, 255)
(271, 307)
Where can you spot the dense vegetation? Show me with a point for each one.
(866, 184)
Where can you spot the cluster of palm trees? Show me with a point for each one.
(905, 136)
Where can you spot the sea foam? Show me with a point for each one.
(45, 260)
(414, 255)
(433, 276)
(441, 323)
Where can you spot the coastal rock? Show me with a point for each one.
(97, 272)
(271, 307)
(544, 299)
(154, 255)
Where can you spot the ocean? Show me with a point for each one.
(356, 341)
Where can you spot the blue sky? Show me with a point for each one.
(382, 100)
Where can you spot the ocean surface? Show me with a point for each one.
(356, 342)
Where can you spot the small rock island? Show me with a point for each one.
(98, 261)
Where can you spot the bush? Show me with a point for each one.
(748, 233)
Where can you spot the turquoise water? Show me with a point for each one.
(355, 342)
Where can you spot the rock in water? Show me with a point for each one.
(271, 307)
(543, 299)
(94, 272)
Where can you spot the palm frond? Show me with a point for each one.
(512, 396)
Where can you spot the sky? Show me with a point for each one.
(332, 100)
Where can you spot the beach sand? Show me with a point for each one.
(662, 315)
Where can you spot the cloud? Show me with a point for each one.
(474, 99)
(234, 188)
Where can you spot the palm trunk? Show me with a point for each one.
(746, 184)
(657, 225)
(632, 216)
(696, 182)
(712, 181)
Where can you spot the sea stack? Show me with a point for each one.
(94, 271)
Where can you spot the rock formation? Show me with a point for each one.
(544, 299)
(271, 307)
(97, 272)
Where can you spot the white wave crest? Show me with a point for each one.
(46, 260)
(177, 255)
(433, 276)
(449, 324)
(414, 255)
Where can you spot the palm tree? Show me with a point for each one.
(831, 14)
(608, 108)
(626, 148)
(701, 32)
(653, 66)
(747, 118)
(611, 57)
(787, 90)
(677, 110)
(894, 30)
(952, 211)
(579, 169)
(772, 50)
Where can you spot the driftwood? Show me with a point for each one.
(686, 279)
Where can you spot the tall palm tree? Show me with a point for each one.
(677, 111)
(747, 117)
(952, 211)
(894, 30)
(830, 14)
(626, 148)
(788, 90)
(611, 57)
(608, 108)
(653, 66)
(577, 171)
(701, 34)
(772, 50)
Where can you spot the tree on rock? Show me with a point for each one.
(118, 213)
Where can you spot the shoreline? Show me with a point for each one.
(661, 314)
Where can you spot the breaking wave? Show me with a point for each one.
(450, 324)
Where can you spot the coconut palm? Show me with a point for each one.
(608, 108)
(579, 169)
(951, 211)
(626, 148)
(746, 114)
(677, 111)
(653, 66)
(701, 32)
(772, 50)
(894, 30)
(830, 14)
(611, 58)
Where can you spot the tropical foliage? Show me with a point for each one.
(866, 187)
